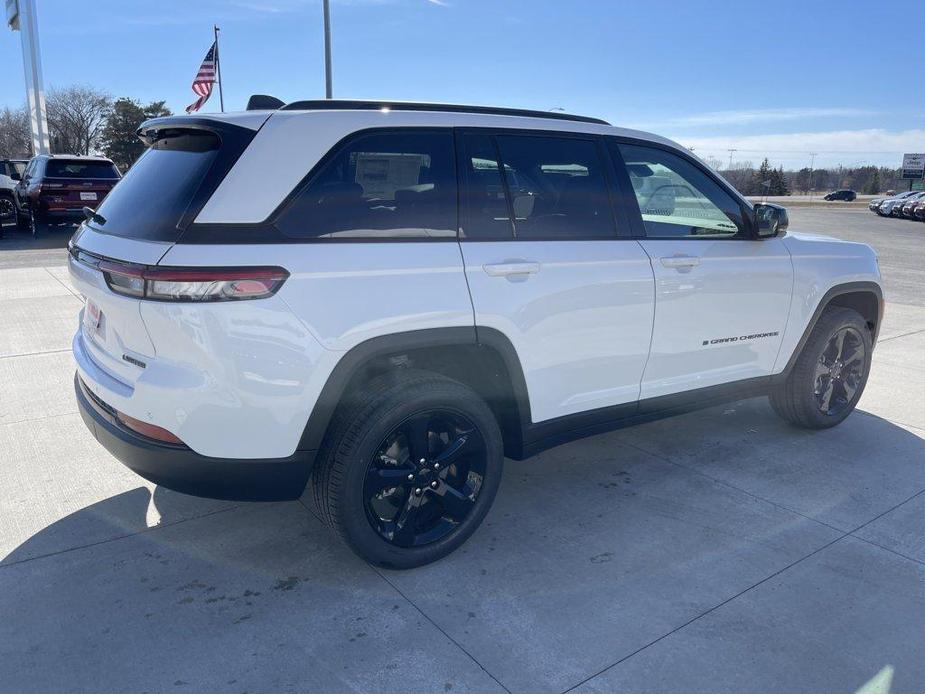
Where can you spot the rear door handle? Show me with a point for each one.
(680, 261)
(514, 267)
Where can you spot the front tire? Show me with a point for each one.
(829, 376)
(409, 469)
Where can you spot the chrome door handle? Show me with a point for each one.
(516, 267)
(680, 261)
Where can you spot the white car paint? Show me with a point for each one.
(593, 323)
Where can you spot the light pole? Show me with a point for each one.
(812, 162)
(20, 16)
(328, 79)
(731, 152)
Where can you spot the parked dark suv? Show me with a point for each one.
(56, 187)
(846, 195)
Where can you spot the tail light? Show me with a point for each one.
(192, 284)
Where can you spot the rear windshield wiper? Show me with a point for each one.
(93, 216)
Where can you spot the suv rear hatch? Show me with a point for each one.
(146, 213)
(70, 184)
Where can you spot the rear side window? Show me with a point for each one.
(484, 212)
(383, 185)
(678, 199)
(557, 187)
(151, 198)
(75, 168)
(549, 187)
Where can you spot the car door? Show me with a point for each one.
(547, 267)
(722, 295)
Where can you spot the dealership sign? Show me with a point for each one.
(913, 166)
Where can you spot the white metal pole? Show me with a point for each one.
(35, 87)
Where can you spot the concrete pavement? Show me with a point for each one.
(718, 551)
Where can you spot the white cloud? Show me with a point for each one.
(767, 115)
(874, 146)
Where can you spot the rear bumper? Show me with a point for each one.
(181, 469)
(75, 214)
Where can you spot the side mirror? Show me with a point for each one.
(770, 220)
(15, 176)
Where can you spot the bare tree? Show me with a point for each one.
(15, 133)
(76, 116)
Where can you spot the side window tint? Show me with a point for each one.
(676, 198)
(385, 185)
(557, 187)
(483, 205)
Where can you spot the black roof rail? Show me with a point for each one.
(361, 105)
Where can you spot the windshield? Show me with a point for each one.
(152, 197)
(77, 168)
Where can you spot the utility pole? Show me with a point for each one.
(812, 162)
(328, 79)
(20, 16)
(731, 152)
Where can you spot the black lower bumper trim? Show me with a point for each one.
(183, 470)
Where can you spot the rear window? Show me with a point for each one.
(75, 168)
(151, 198)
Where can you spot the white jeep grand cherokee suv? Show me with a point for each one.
(385, 300)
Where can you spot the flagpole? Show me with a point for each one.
(218, 69)
(328, 78)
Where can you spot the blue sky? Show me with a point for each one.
(779, 78)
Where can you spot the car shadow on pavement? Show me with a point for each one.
(56, 236)
(647, 528)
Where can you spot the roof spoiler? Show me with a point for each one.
(264, 102)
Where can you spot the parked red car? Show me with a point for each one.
(56, 187)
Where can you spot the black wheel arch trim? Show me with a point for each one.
(838, 290)
(361, 354)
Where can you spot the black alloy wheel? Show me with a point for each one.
(7, 208)
(839, 372)
(425, 478)
(409, 468)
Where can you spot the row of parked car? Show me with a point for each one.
(52, 189)
(908, 205)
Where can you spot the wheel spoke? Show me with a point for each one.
(402, 527)
(456, 503)
(378, 479)
(849, 387)
(452, 452)
(822, 369)
(840, 344)
(826, 395)
(417, 434)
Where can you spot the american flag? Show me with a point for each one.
(205, 79)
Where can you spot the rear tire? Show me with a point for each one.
(37, 223)
(829, 376)
(409, 468)
(7, 208)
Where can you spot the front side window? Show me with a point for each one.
(677, 199)
(382, 185)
